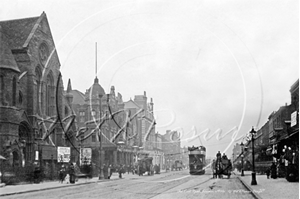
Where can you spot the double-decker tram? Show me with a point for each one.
(197, 160)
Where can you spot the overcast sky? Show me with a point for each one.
(213, 65)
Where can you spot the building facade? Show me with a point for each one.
(94, 111)
(32, 101)
(171, 147)
(278, 139)
(143, 126)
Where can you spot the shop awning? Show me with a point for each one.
(269, 149)
(2, 158)
(288, 136)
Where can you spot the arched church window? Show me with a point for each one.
(39, 89)
(14, 91)
(20, 97)
(50, 95)
(66, 111)
(1, 88)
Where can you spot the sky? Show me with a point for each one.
(210, 66)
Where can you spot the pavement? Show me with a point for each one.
(270, 188)
(26, 188)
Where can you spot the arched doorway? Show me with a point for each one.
(25, 143)
(16, 161)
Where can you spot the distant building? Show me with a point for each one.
(91, 109)
(184, 155)
(293, 127)
(143, 125)
(171, 147)
(158, 150)
(236, 152)
(280, 131)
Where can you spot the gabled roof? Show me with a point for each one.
(19, 31)
(131, 104)
(78, 97)
(7, 60)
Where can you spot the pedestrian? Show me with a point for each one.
(219, 154)
(37, 173)
(109, 171)
(62, 174)
(105, 171)
(128, 169)
(268, 172)
(120, 171)
(273, 170)
(72, 173)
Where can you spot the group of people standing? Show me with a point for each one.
(70, 172)
(286, 165)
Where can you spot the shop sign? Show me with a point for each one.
(85, 156)
(63, 154)
(294, 118)
(36, 155)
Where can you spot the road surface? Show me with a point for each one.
(173, 185)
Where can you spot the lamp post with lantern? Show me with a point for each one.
(253, 181)
(242, 156)
(101, 175)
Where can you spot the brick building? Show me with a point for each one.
(279, 132)
(143, 125)
(158, 150)
(89, 108)
(32, 103)
(171, 147)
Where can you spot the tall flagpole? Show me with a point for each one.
(101, 152)
(96, 59)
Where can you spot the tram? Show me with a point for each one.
(197, 160)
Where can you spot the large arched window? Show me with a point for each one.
(39, 90)
(1, 89)
(14, 91)
(50, 95)
(66, 111)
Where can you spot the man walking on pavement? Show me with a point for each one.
(120, 171)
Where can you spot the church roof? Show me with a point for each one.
(16, 34)
(7, 60)
(20, 30)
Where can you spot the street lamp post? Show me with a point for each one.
(253, 181)
(242, 156)
(101, 175)
(121, 143)
(135, 148)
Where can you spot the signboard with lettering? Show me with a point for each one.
(63, 154)
(85, 156)
(294, 118)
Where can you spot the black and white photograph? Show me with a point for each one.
(149, 99)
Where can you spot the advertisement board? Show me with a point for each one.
(63, 154)
(85, 156)
(294, 118)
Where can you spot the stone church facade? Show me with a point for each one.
(32, 101)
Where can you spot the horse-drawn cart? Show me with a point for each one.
(221, 167)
